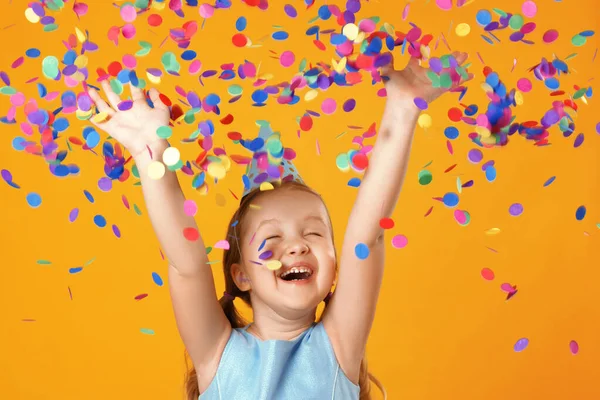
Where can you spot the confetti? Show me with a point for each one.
(34, 200)
(515, 209)
(362, 251)
(580, 213)
(399, 241)
(521, 344)
(574, 347)
(487, 274)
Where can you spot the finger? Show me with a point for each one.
(112, 97)
(99, 102)
(137, 94)
(155, 97)
(461, 58)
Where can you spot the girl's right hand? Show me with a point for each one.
(136, 127)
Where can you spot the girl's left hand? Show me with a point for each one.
(412, 81)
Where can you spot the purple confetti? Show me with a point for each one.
(73, 214)
(515, 209)
(421, 103)
(521, 344)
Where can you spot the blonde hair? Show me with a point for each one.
(232, 256)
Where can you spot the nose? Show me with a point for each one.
(297, 248)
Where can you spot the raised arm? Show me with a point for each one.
(202, 324)
(350, 313)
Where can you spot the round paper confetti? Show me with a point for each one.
(386, 223)
(420, 103)
(515, 209)
(191, 234)
(450, 199)
(425, 177)
(425, 121)
(34, 200)
(574, 347)
(475, 156)
(157, 279)
(529, 9)
(550, 36)
(362, 251)
(462, 29)
(399, 241)
(521, 344)
(190, 208)
(100, 221)
(273, 265)
(487, 274)
(580, 213)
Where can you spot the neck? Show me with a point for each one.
(268, 325)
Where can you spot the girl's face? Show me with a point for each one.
(294, 226)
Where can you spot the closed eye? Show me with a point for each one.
(314, 233)
(272, 237)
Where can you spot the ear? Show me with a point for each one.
(240, 277)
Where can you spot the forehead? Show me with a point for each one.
(285, 204)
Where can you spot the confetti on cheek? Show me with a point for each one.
(487, 274)
(521, 344)
(34, 200)
(265, 255)
(273, 265)
(157, 279)
(362, 251)
(574, 347)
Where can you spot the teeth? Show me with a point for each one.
(295, 270)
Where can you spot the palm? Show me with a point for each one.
(136, 127)
(412, 81)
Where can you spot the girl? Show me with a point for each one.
(282, 261)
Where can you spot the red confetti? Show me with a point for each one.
(239, 40)
(114, 68)
(306, 123)
(454, 114)
(386, 223)
(361, 161)
(141, 296)
(191, 234)
(154, 20)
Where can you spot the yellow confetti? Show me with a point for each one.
(462, 29)
(156, 170)
(266, 186)
(216, 170)
(171, 156)
(519, 98)
(493, 231)
(152, 78)
(273, 265)
(255, 206)
(311, 95)
(81, 61)
(80, 35)
(100, 117)
(483, 131)
(425, 121)
(31, 16)
(350, 31)
(340, 66)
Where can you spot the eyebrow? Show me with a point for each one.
(276, 221)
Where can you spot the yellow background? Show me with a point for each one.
(441, 331)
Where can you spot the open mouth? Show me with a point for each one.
(296, 274)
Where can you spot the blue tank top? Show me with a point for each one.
(302, 368)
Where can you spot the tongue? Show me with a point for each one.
(296, 275)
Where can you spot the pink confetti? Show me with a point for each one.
(399, 241)
(574, 347)
(222, 244)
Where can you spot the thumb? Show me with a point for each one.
(155, 97)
